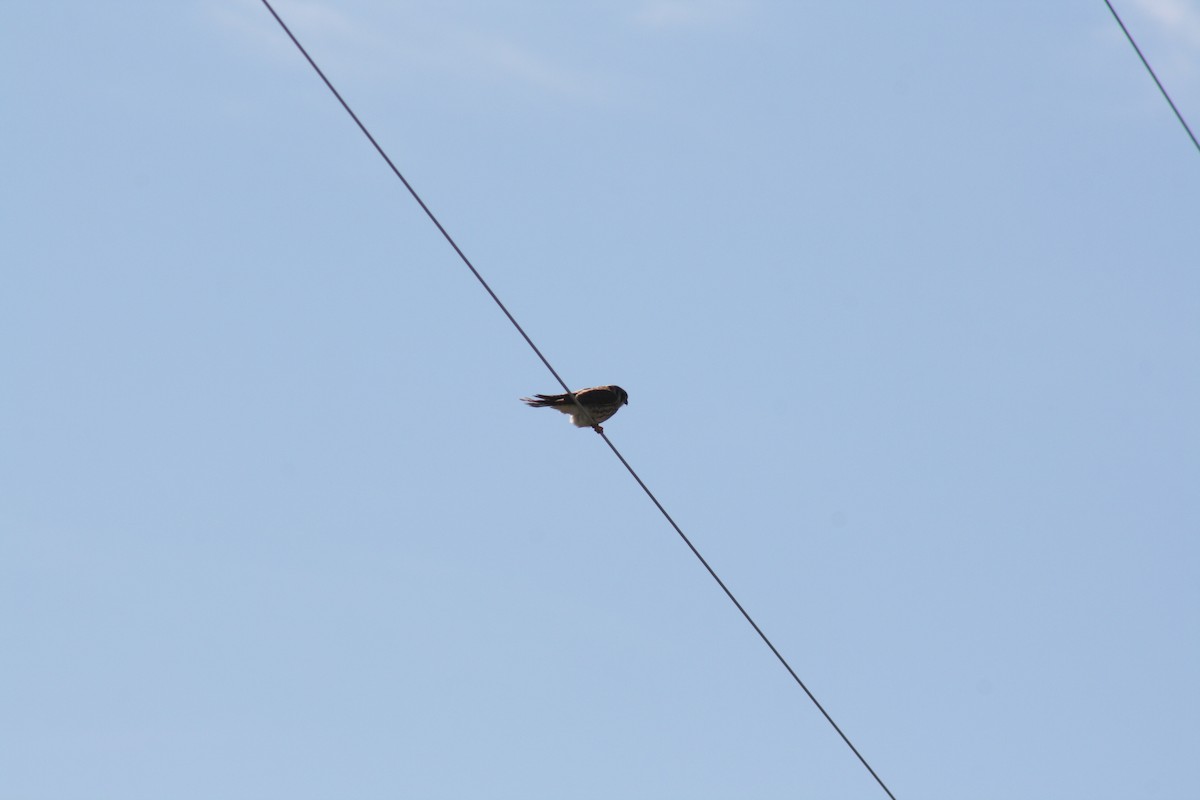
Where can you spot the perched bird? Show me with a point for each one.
(587, 407)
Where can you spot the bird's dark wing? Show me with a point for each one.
(599, 396)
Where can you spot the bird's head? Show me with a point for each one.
(621, 394)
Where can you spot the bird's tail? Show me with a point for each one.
(548, 400)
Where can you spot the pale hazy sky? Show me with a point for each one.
(906, 300)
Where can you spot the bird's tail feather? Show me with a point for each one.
(545, 400)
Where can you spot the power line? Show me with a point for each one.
(567, 389)
(1150, 69)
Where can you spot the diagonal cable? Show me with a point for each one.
(417, 197)
(1150, 69)
(567, 389)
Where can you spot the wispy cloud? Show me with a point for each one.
(688, 13)
(1177, 20)
(492, 55)
(249, 21)
(1172, 42)
(424, 43)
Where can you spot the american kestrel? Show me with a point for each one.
(600, 402)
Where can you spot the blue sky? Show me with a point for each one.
(905, 299)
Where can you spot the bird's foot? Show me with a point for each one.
(597, 429)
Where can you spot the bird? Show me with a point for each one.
(587, 407)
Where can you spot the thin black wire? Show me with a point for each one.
(567, 389)
(749, 619)
(1150, 69)
(416, 197)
